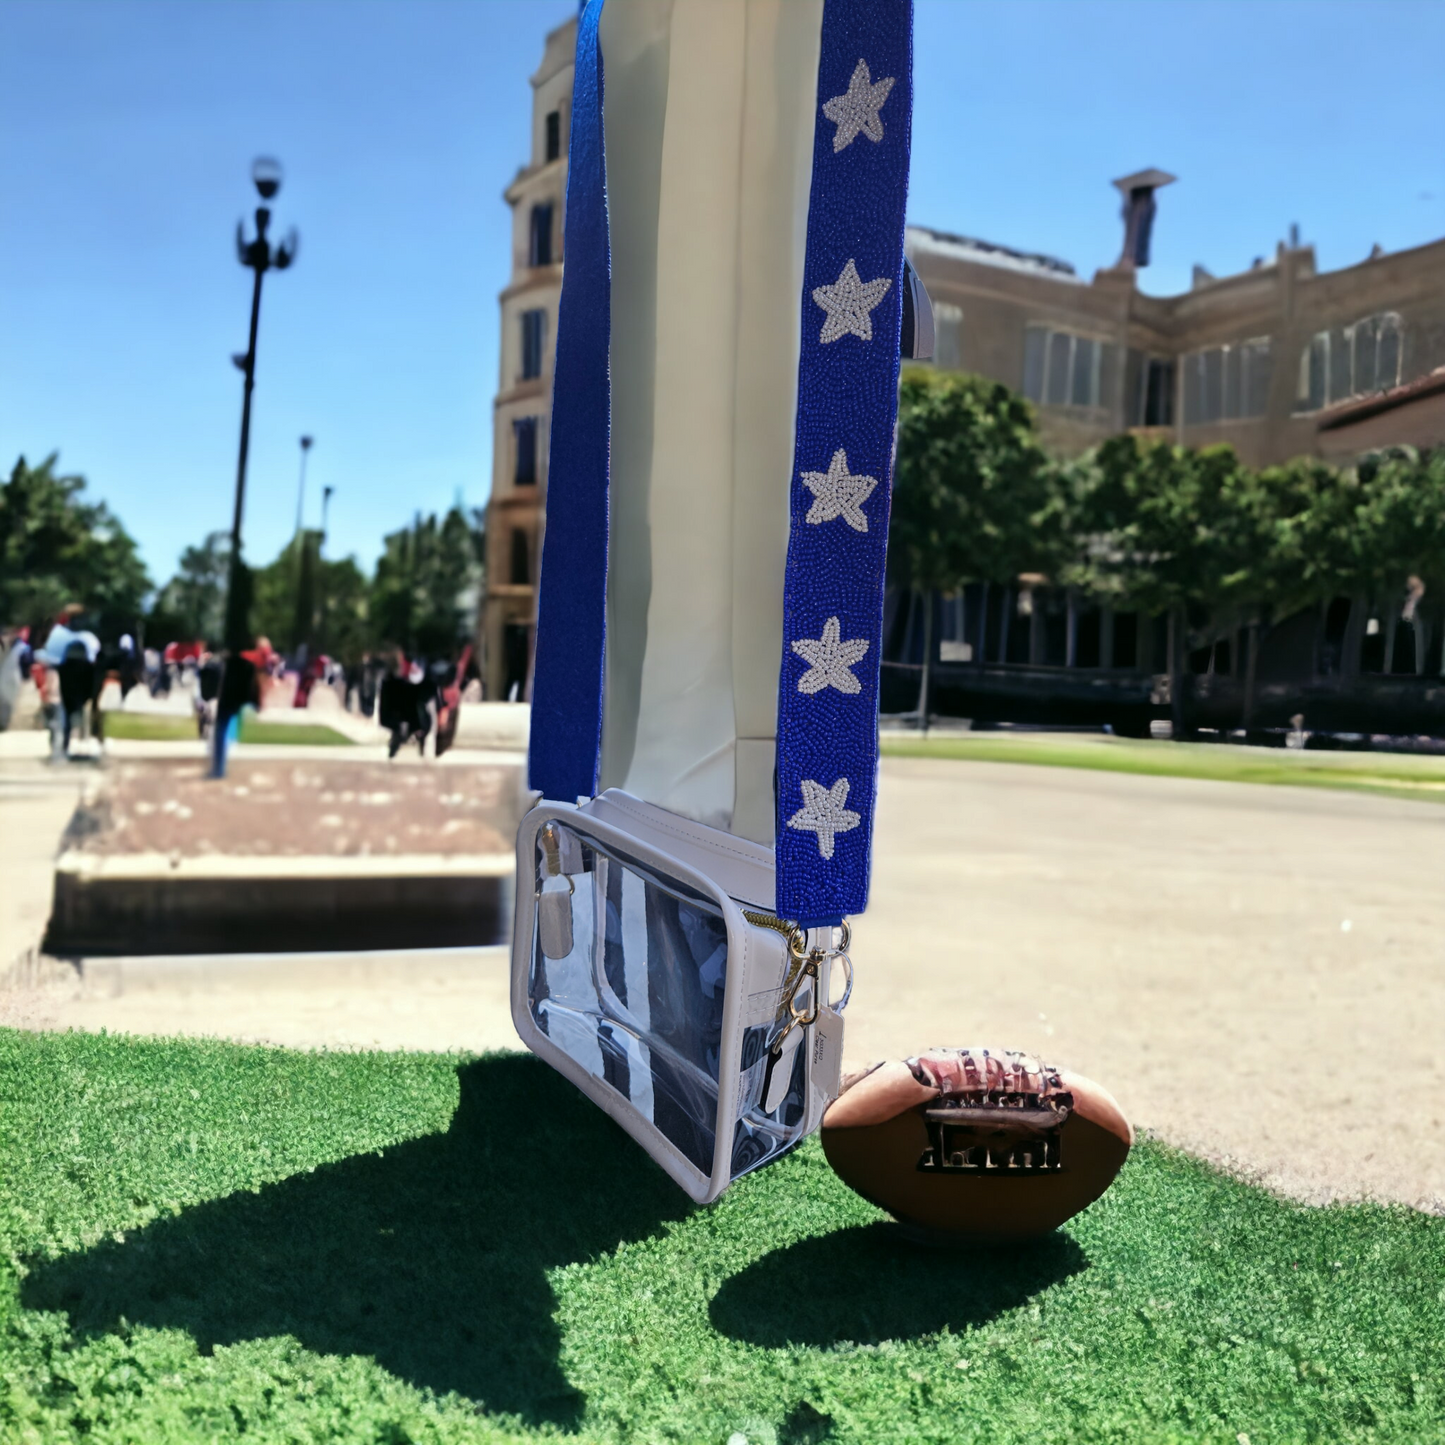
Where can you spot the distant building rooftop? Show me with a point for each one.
(986, 253)
(1357, 409)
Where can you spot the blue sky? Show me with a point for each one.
(127, 128)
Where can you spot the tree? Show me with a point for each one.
(975, 497)
(192, 604)
(1170, 530)
(428, 583)
(56, 547)
(302, 597)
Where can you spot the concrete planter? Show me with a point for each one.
(149, 903)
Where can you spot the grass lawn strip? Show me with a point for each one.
(202, 1241)
(1391, 774)
(166, 728)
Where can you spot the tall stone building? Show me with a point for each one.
(1274, 361)
(523, 406)
(1281, 360)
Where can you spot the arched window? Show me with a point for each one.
(1350, 361)
(521, 559)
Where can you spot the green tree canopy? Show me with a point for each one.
(428, 581)
(1161, 527)
(975, 497)
(192, 604)
(1371, 528)
(57, 548)
(304, 597)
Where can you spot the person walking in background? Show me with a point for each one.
(14, 673)
(68, 678)
(128, 664)
(77, 688)
(449, 701)
(351, 680)
(208, 689)
(372, 672)
(406, 705)
(240, 687)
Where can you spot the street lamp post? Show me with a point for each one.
(301, 623)
(301, 489)
(261, 256)
(320, 570)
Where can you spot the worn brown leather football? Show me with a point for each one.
(976, 1145)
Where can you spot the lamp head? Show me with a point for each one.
(266, 176)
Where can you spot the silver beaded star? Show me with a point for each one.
(830, 660)
(848, 301)
(839, 493)
(823, 813)
(857, 108)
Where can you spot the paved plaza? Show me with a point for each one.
(1258, 973)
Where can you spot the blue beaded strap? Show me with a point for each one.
(843, 461)
(827, 752)
(572, 602)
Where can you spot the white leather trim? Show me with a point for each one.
(741, 868)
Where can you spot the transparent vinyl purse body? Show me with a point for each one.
(648, 969)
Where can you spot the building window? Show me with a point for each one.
(521, 568)
(554, 135)
(539, 238)
(1350, 361)
(524, 433)
(534, 326)
(947, 336)
(1151, 390)
(1227, 383)
(1061, 369)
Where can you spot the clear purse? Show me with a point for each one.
(648, 968)
(709, 609)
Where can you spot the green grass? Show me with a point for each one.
(202, 1241)
(166, 728)
(1395, 774)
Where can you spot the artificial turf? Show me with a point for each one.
(1394, 774)
(202, 1241)
(168, 728)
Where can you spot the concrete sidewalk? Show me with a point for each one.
(435, 999)
(36, 802)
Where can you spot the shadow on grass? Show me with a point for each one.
(868, 1284)
(430, 1258)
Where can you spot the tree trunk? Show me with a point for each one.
(927, 678)
(1251, 671)
(982, 628)
(1176, 672)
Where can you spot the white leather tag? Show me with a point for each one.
(554, 917)
(780, 1071)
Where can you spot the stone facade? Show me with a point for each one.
(1276, 361)
(1260, 360)
(523, 406)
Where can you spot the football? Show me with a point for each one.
(975, 1145)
